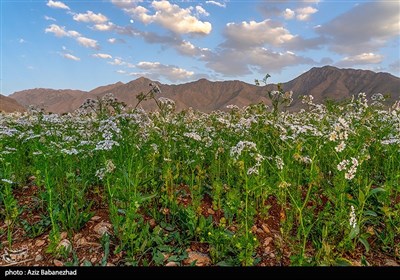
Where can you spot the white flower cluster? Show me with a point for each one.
(109, 128)
(106, 145)
(307, 99)
(110, 167)
(72, 151)
(192, 135)
(237, 150)
(254, 169)
(340, 133)
(353, 218)
(279, 162)
(349, 167)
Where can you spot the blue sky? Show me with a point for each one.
(84, 44)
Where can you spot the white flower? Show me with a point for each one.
(340, 147)
(353, 218)
(110, 167)
(100, 173)
(252, 170)
(333, 136)
(349, 175)
(279, 162)
(342, 165)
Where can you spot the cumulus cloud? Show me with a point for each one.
(170, 16)
(288, 14)
(60, 31)
(70, 57)
(363, 29)
(102, 55)
(219, 4)
(109, 26)
(89, 16)
(246, 34)
(305, 13)
(57, 5)
(156, 70)
(87, 43)
(360, 59)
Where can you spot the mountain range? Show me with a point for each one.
(323, 83)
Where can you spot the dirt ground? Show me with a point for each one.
(87, 244)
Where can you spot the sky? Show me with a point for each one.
(85, 44)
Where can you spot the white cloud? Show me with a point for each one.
(88, 43)
(102, 55)
(126, 3)
(57, 5)
(305, 13)
(155, 70)
(238, 62)
(49, 18)
(360, 59)
(90, 17)
(363, 29)
(171, 17)
(109, 26)
(219, 4)
(21, 41)
(247, 34)
(58, 31)
(70, 57)
(73, 33)
(288, 14)
(116, 61)
(201, 11)
(115, 41)
(120, 62)
(121, 71)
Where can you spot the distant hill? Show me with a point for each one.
(9, 105)
(337, 84)
(323, 83)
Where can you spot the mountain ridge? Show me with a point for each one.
(327, 82)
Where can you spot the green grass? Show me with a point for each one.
(333, 170)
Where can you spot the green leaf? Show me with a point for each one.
(370, 213)
(365, 243)
(354, 232)
(361, 196)
(376, 190)
(343, 262)
(158, 258)
(174, 259)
